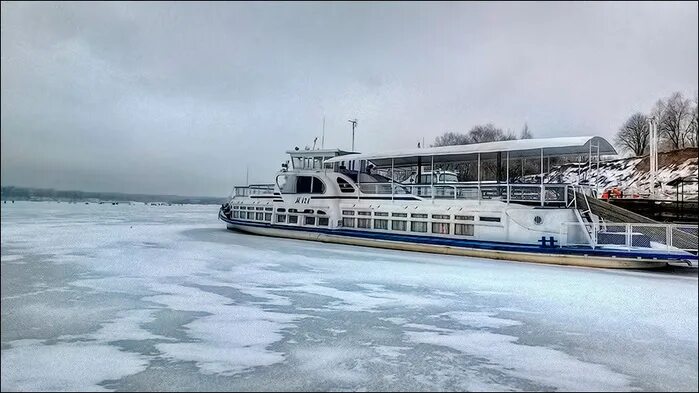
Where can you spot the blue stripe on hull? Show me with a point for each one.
(473, 244)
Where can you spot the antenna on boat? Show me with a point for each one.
(354, 125)
(322, 140)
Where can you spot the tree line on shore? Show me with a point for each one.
(468, 171)
(27, 193)
(676, 117)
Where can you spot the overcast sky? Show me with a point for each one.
(180, 97)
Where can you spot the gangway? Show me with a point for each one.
(619, 221)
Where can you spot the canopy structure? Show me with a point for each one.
(319, 153)
(521, 148)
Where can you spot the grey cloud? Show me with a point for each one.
(180, 97)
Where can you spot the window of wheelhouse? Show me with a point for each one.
(291, 184)
(286, 184)
(309, 185)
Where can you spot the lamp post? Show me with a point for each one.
(653, 156)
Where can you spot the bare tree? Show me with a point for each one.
(526, 134)
(477, 134)
(452, 138)
(489, 133)
(675, 117)
(634, 135)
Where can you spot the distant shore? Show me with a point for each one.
(11, 193)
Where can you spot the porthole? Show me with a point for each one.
(538, 220)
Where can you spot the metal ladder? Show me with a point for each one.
(590, 221)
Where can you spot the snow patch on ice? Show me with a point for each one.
(540, 364)
(79, 366)
(390, 351)
(372, 301)
(480, 319)
(336, 363)
(232, 339)
(127, 326)
(395, 320)
(426, 327)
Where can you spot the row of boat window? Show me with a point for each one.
(255, 213)
(238, 207)
(421, 215)
(443, 228)
(399, 222)
(243, 212)
(362, 221)
(256, 216)
(307, 220)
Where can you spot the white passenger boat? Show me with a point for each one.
(358, 199)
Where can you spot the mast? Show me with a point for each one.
(354, 125)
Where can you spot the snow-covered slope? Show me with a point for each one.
(632, 174)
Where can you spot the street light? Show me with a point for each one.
(653, 154)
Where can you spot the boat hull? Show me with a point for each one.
(517, 256)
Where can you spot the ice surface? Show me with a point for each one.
(135, 297)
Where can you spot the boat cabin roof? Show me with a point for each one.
(319, 153)
(520, 148)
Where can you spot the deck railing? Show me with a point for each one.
(554, 193)
(253, 189)
(631, 235)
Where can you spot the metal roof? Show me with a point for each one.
(520, 148)
(319, 152)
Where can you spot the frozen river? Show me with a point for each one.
(135, 297)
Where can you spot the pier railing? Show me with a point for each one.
(631, 235)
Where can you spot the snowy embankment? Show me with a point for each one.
(135, 297)
(632, 174)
